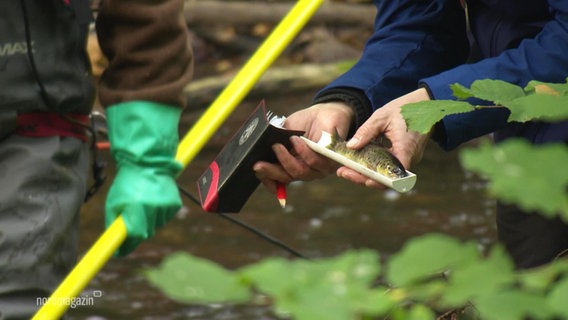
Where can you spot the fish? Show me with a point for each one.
(372, 156)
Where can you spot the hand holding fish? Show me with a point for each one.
(407, 146)
(302, 163)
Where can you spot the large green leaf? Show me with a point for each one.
(512, 305)
(420, 312)
(261, 274)
(189, 279)
(423, 257)
(335, 288)
(560, 89)
(538, 107)
(558, 297)
(421, 116)
(540, 279)
(533, 177)
(497, 91)
(474, 280)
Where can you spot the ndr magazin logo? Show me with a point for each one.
(71, 302)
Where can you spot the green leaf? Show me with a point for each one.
(429, 290)
(539, 279)
(558, 297)
(532, 177)
(420, 312)
(512, 305)
(421, 116)
(375, 302)
(547, 87)
(284, 281)
(497, 91)
(542, 107)
(335, 288)
(315, 302)
(189, 279)
(461, 92)
(425, 256)
(477, 279)
(413, 312)
(262, 275)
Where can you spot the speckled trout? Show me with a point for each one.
(372, 156)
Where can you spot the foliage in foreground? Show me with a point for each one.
(434, 273)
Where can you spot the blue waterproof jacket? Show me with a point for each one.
(426, 43)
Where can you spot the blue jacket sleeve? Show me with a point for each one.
(543, 58)
(412, 40)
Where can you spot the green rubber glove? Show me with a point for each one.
(144, 138)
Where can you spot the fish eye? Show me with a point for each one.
(397, 170)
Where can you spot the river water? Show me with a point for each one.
(323, 218)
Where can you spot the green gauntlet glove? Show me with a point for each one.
(143, 137)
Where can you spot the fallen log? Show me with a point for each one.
(215, 12)
(276, 81)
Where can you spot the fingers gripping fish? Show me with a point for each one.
(372, 156)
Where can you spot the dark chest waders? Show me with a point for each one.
(43, 166)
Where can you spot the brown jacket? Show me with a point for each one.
(147, 45)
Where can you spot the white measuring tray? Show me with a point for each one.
(403, 184)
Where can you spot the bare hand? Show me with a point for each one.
(301, 163)
(407, 146)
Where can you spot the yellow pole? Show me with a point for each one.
(189, 146)
(226, 102)
(84, 271)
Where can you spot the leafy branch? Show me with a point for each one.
(532, 177)
(537, 101)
